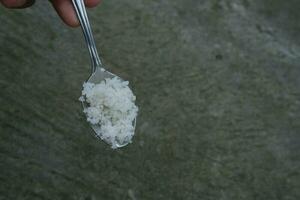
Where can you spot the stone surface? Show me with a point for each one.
(217, 83)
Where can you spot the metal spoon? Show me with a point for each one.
(98, 72)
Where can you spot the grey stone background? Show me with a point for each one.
(217, 83)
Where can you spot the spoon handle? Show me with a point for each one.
(87, 32)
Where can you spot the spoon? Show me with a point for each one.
(98, 72)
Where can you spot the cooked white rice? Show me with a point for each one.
(111, 106)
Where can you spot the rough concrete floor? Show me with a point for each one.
(217, 83)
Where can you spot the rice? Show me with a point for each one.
(111, 107)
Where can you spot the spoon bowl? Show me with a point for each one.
(97, 77)
(101, 74)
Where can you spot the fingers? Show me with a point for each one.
(91, 3)
(66, 10)
(17, 3)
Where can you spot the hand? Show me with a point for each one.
(64, 8)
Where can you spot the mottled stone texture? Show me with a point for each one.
(217, 83)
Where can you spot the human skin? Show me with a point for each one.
(64, 8)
